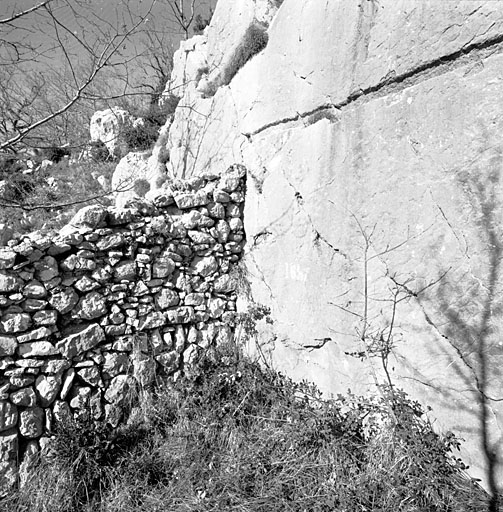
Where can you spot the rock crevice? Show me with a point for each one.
(394, 83)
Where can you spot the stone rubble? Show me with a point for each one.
(120, 298)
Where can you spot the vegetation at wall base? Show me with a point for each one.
(235, 436)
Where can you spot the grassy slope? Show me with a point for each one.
(238, 437)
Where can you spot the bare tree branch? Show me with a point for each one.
(24, 13)
(105, 58)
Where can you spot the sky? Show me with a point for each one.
(97, 12)
(66, 51)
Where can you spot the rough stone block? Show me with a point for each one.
(8, 415)
(167, 298)
(9, 283)
(37, 349)
(31, 422)
(8, 345)
(82, 341)
(15, 322)
(24, 397)
(47, 388)
(7, 259)
(64, 300)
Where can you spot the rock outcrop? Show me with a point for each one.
(131, 178)
(371, 131)
(189, 65)
(110, 127)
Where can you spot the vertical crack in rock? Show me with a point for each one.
(261, 275)
(463, 246)
(366, 20)
(317, 236)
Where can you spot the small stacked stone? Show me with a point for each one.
(119, 298)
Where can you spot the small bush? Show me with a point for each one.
(143, 136)
(97, 151)
(254, 41)
(236, 436)
(9, 164)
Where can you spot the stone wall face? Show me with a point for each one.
(122, 297)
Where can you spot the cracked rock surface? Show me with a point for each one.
(371, 135)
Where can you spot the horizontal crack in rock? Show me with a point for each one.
(319, 343)
(393, 83)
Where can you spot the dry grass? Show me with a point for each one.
(47, 199)
(238, 437)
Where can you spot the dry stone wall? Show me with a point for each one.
(119, 299)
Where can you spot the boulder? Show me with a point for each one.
(110, 127)
(134, 176)
(92, 216)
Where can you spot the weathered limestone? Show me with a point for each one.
(132, 177)
(390, 133)
(189, 64)
(109, 126)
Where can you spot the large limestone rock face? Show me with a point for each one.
(371, 134)
(238, 32)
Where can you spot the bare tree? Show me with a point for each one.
(190, 14)
(48, 71)
(154, 68)
(183, 13)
